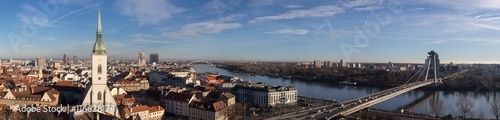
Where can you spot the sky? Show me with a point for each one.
(460, 31)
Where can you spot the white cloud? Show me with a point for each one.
(232, 17)
(293, 6)
(320, 11)
(196, 29)
(148, 12)
(357, 3)
(463, 4)
(257, 3)
(415, 9)
(491, 27)
(484, 41)
(368, 8)
(289, 31)
(146, 39)
(152, 41)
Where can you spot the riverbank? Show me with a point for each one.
(364, 82)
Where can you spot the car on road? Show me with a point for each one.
(312, 116)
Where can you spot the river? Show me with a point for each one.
(416, 101)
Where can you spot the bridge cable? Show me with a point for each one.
(421, 72)
(425, 68)
(413, 76)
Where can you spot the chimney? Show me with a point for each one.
(130, 110)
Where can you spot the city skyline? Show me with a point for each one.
(258, 30)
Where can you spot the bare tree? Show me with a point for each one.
(233, 111)
(437, 107)
(495, 107)
(464, 106)
(481, 115)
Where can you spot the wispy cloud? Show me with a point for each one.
(147, 39)
(320, 11)
(463, 4)
(148, 12)
(367, 8)
(231, 18)
(491, 27)
(293, 6)
(357, 3)
(415, 9)
(289, 31)
(482, 41)
(257, 3)
(196, 29)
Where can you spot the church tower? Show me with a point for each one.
(97, 92)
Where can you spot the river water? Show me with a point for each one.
(416, 101)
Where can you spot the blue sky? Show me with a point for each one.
(271, 30)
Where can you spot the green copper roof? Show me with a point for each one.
(99, 48)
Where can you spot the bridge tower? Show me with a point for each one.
(432, 61)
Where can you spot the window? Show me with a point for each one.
(99, 95)
(99, 69)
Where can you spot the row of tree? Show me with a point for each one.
(324, 74)
(465, 107)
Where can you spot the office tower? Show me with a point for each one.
(41, 62)
(343, 63)
(65, 59)
(153, 58)
(328, 64)
(317, 63)
(75, 60)
(142, 59)
(97, 92)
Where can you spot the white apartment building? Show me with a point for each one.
(264, 95)
(178, 103)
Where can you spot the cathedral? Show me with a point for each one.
(97, 93)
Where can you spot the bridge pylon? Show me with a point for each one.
(432, 61)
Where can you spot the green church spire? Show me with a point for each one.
(99, 48)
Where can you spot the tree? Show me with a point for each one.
(234, 110)
(437, 107)
(464, 106)
(481, 115)
(495, 107)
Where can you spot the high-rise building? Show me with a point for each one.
(142, 59)
(41, 62)
(75, 60)
(317, 63)
(343, 63)
(153, 58)
(65, 59)
(328, 64)
(97, 92)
